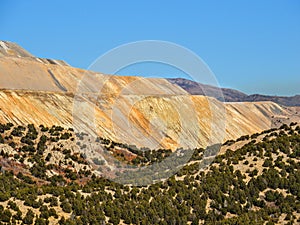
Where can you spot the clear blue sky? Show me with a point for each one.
(253, 46)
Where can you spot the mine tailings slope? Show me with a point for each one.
(146, 112)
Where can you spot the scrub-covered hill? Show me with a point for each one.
(45, 179)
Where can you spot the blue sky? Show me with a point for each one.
(252, 46)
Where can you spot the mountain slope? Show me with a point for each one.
(134, 110)
(50, 108)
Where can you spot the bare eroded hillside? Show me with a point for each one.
(142, 111)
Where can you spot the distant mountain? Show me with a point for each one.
(231, 95)
(287, 101)
(195, 88)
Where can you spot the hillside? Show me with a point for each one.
(231, 95)
(74, 145)
(146, 112)
(43, 179)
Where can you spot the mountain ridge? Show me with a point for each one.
(10, 49)
(231, 95)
